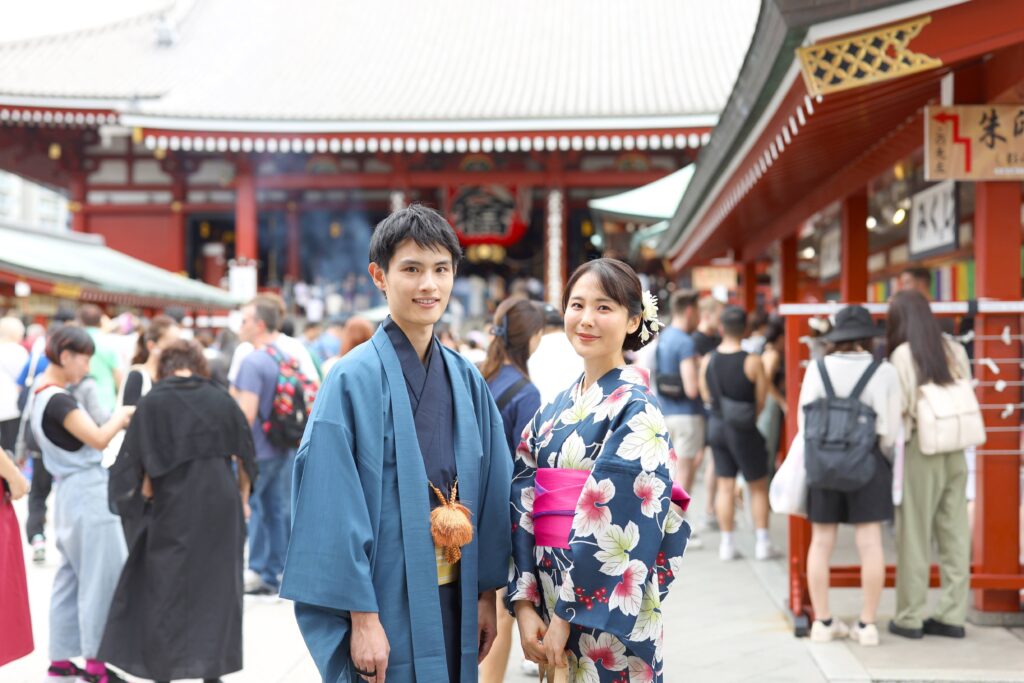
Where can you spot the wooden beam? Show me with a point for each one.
(853, 277)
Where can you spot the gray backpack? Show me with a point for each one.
(840, 437)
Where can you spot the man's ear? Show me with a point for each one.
(377, 274)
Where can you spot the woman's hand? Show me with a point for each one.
(531, 631)
(555, 640)
(124, 415)
(147, 487)
(17, 482)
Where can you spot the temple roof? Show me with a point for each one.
(393, 65)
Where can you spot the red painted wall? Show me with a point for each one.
(159, 240)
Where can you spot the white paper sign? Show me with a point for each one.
(933, 220)
(830, 259)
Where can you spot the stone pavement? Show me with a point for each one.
(725, 622)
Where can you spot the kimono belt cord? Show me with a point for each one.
(557, 493)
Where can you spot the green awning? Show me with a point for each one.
(646, 235)
(655, 201)
(85, 261)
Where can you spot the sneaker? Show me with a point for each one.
(866, 635)
(110, 676)
(820, 633)
(934, 627)
(529, 668)
(695, 542)
(64, 671)
(264, 590)
(727, 552)
(251, 580)
(709, 523)
(906, 632)
(38, 549)
(764, 550)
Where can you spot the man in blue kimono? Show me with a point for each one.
(396, 418)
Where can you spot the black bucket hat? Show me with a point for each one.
(853, 323)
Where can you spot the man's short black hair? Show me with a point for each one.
(920, 274)
(426, 227)
(734, 321)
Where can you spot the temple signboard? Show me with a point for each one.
(974, 142)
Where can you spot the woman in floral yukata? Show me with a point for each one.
(596, 540)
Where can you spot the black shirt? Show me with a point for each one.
(704, 343)
(58, 408)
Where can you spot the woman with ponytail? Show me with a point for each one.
(518, 327)
(161, 332)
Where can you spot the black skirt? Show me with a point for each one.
(870, 503)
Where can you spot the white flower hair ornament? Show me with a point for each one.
(649, 324)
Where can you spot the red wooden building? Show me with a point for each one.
(238, 128)
(821, 149)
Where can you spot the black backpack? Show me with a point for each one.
(840, 437)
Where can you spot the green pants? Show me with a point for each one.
(934, 507)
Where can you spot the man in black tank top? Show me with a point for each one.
(733, 382)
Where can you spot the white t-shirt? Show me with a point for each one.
(13, 357)
(289, 345)
(554, 366)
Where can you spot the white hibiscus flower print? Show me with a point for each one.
(592, 512)
(526, 516)
(573, 455)
(646, 440)
(524, 452)
(526, 589)
(582, 406)
(634, 374)
(613, 404)
(640, 671)
(649, 489)
(544, 434)
(628, 592)
(616, 543)
(605, 650)
(648, 624)
(582, 670)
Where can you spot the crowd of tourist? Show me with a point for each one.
(172, 454)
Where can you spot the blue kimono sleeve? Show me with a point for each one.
(327, 571)
(523, 570)
(620, 524)
(493, 521)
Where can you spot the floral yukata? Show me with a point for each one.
(626, 542)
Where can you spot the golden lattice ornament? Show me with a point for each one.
(866, 58)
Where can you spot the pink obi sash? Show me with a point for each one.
(555, 497)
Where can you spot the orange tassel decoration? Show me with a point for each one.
(450, 525)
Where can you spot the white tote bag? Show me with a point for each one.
(788, 492)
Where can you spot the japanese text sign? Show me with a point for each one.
(974, 142)
(934, 224)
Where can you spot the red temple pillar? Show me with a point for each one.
(853, 278)
(748, 287)
(246, 226)
(997, 250)
(799, 528)
(294, 242)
